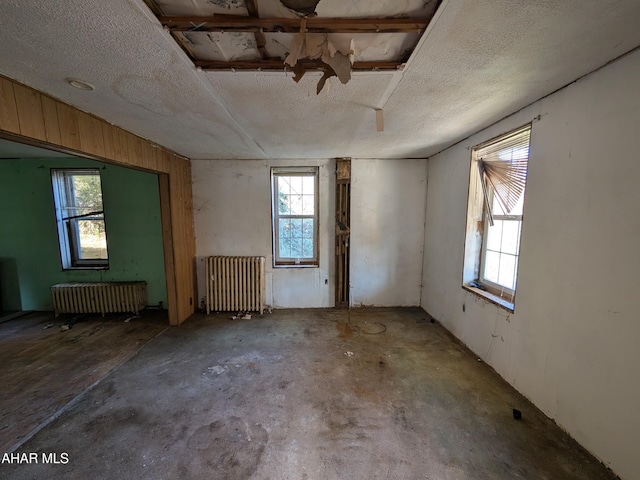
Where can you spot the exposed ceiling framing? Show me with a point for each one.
(476, 62)
(294, 25)
(277, 65)
(262, 43)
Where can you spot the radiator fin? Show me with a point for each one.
(235, 284)
(101, 297)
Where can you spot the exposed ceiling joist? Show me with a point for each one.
(293, 25)
(278, 65)
(217, 41)
(261, 40)
(252, 8)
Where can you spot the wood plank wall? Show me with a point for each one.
(343, 230)
(29, 116)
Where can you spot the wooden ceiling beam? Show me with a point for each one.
(252, 8)
(261, 40)
(232, 23)
(279, 66)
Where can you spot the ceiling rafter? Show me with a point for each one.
(261, 40)
(232, 23)
(180, 26)
(278, 65)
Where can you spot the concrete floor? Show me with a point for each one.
(305, 394)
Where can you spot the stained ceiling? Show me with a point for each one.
(474, 62)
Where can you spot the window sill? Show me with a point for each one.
(495, 299)
(71, 269)
(296, 265)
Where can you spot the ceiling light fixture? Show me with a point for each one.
(80, 85)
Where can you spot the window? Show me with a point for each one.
(501, 248)
(295, 216)
(494, 216)
(82, 234)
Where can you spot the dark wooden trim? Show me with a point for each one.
(164, 191)
(252, 8)
(153, 6)
(278, 65)
(261, 40)
(233, 23)
(183, 43)
(343, 232)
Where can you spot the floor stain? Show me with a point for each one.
(345, 330)
(230, 448)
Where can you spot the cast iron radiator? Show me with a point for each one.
(101, 297)
(235, 284)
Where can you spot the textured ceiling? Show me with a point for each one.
(478, 61)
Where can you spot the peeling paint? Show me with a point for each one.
(317, 46)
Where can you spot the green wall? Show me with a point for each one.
(29, 252)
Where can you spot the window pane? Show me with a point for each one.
(283, 203)
(308, 185)
(307, 248)
(517, 210)
(496, 209)
(289, 195)
(307, 238)
(494, 235)
(283, 195)
(296, 195)
(514, 153)
(506, 275)
(296, 204)
(285, 230)
(87, 192)
(295, 184)
(290, 238)
(92, 240)
(511, 236)
(308, 204)
(296, 238)
(491, 266)
(284, 186)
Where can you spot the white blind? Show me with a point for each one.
(502, 165)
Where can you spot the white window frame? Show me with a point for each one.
(478, 223)
(68, 235)
(278, 260)
(496, 288)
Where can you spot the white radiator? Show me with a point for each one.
(235, 284)
(102, 297)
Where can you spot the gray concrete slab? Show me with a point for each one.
(305, 394)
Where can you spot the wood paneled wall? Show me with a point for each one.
(29, 116)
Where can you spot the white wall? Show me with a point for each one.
(387, 235)
(232, 210)
(573, 344)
